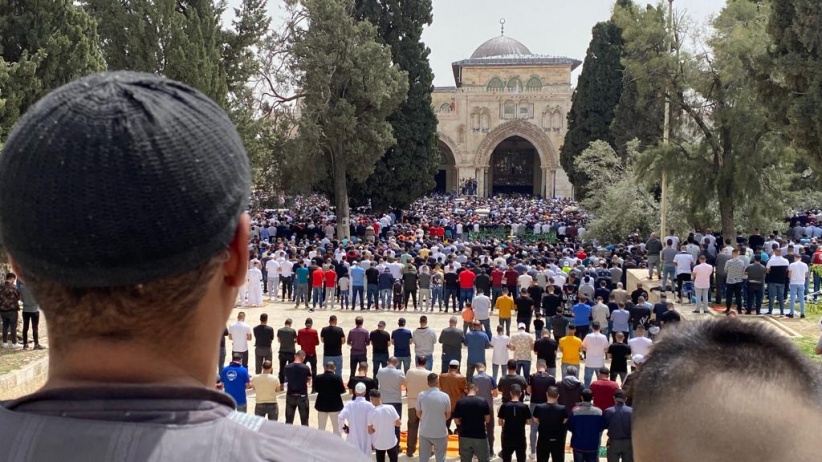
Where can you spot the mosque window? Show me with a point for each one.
(495, 84)
(445, 108)
(509, 110)
(515, 85)
(534, 84)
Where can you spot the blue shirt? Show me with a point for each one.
(234, 378)
(582, 313)
(620, 320)
(357, 276)
(402, 342)
(476, 340)
(302, 275)
(265, 234)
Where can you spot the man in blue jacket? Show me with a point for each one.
(586, 424)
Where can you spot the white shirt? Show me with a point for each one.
(524, 281)
(777, 261)
(683, 262)
(356, 412)
(271, 267)
(287, 268)
(383, 418)
(239, 336)
(595, 345)
(640, 345)
(500, 354)
(482, 307)
(703, 272)
(798, 271)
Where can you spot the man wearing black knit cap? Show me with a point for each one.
(111, 162)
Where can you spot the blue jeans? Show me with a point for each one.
(447, 357)
(534, 428)
(524, 368)
(586, 456)
(797, 292)
(589, 374)
(316, 297)
(379, 360)
(373, 296)
(817, 281)
(451, 295)
(436, 296)
(495, 293)
(405, 361)
(495, 370)
(776, 291)
(337, 360)
(486, 324)
(357, 295)
(466, 295)
(429, 361)
(386, 298)
(344, 299)
(668, 271)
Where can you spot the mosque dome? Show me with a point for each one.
(501, 46)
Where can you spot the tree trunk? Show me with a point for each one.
(341, 193)
(726, 186)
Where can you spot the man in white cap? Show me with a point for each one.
(354, 420)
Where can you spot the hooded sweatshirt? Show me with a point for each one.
(424, 340)
(570, 392)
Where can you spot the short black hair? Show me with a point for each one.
(374, 393)
(421, 360)
(752, 351)
(587, 395)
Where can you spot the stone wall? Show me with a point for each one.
(23, 381)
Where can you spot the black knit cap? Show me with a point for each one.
(121, 178)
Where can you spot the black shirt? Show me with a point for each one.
(452, 281)
(670, 317)
(329, 387)
(372, 276)
(524, 307)
(539, 386)
(472, 410)
(263, 335)
(483, 282)
(505, 383)
(619, 356)
(515, 414)
(379, 341)
(551, 421)
(640, 314)
(546, 348)
(287, 338)
(369, 383)
(297, 375)
(550, 303)
(332, 337)
(659, 309)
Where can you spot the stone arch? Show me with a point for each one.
(545, 148)
(449, 143)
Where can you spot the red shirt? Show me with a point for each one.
(467, 279)
(376, 227)
(317, 278)
(817, 258)
(330, 279)
(496, 277)
(603, 391)
(440, 231)
(511, 276)
(308, 340)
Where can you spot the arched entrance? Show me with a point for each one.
(446, 177)
(515, 168)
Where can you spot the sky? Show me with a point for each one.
(547, 27)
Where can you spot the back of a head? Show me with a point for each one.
(730, 371)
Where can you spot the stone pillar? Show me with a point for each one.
(543, 188)
(482, 178)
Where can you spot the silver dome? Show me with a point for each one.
(500, 46)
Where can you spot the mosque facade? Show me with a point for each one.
(502, 124)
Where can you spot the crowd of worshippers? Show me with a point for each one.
(536, 409)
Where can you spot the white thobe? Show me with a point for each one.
(356, 413)
(255, 289)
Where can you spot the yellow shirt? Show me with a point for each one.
(570, 346)
(266, 386)
(504, 304)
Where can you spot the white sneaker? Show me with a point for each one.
(16, 346)
(5, 345)
(532, 456)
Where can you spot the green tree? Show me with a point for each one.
(180, 39)
(724, 151)
(350, 87)
(595, 100)
(793, 90)
(43, 45)
(407, 170)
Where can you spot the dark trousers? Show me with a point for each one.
(680, 279)
(9, 326)
(244, 361)
(511, 447)
(720, 288)
(296, 402)
(288, 287)
(311, 360)
(581, 331)
(552, 449)
(734, 292)
(620, 451)
(270, 410)
(285, 360)
(398, 408)
(451, 295)
(379, 360)
(261, 354)
(413, 431)
(754, 298)
(586, 456)
(357, 293)
(412, 293)
(393, 453)
(354, 363)
(526, 321)
(220, 359)
(34, 319)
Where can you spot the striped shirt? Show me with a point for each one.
(734, 271)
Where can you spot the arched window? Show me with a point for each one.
(515, 85)
(445, 108)
(509, 110)
(495, 84)
(534, 84)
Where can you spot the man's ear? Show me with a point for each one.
(236, 266)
